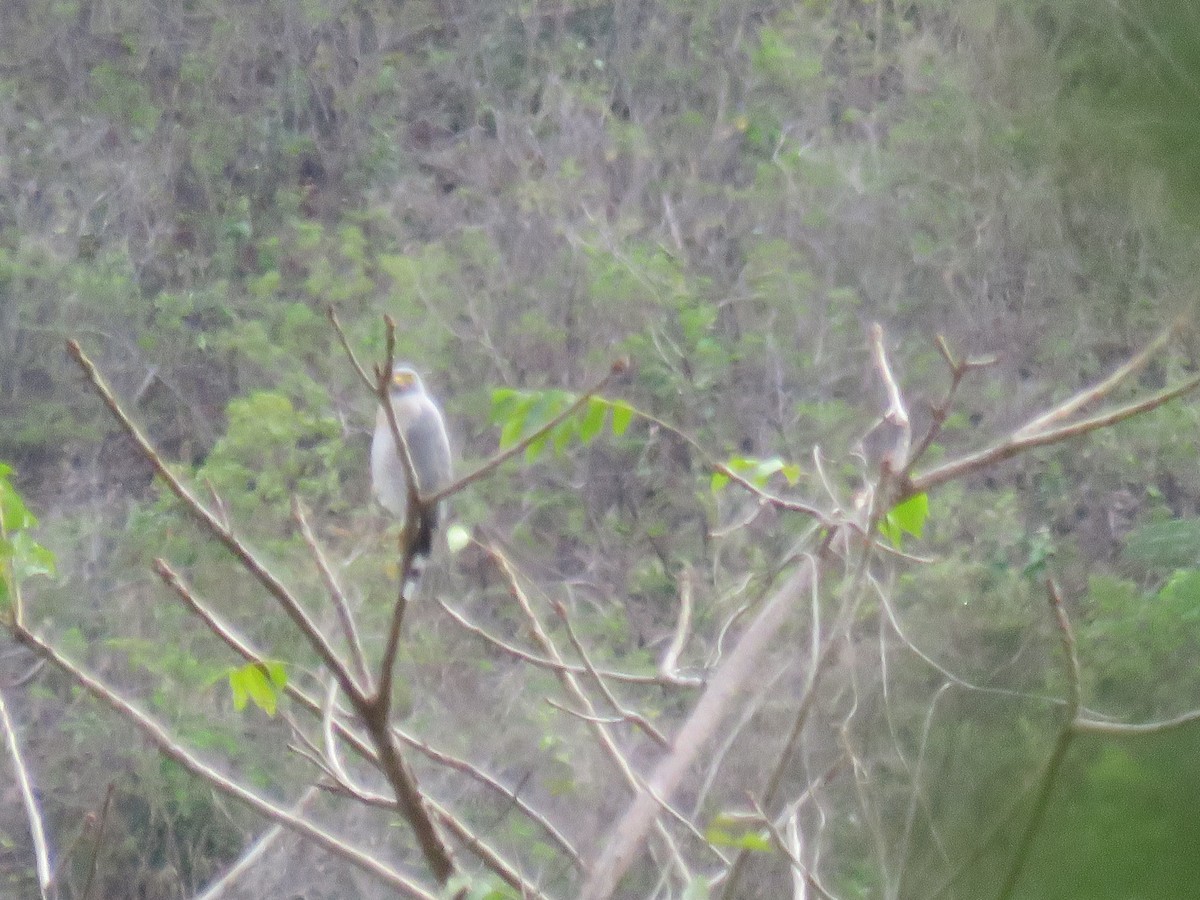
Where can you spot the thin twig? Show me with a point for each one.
(571, 686)
(1046, 787)
(1012, 445)
(254, 853)
(248, 560)
(1121, 729)
(415, 510)
(171, 749)
(37, 829)
(95, 863)
(358, 744)
(939, 411)
(628, 715)
(337, 595)
(781, 845)
(897, 413)
(1103, 388)
(542, 662)
(492, 783)
(627, 836)
(354, 363)
(668, 666)
(774, 500)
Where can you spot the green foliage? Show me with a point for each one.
(757, 471)
(271, 451)
(726, 192)
(262, 683)
(468, 888)
(521, 413)
(1164, 545)
(907, 517)
(21, 557)
(1137, 63)
(728, 831)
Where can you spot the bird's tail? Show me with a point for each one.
(422, 547)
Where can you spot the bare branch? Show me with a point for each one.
(354, 363)
(98, 843)
(542, 662)
(167, 745)
(1013, 445)
(1103, 388)
(1069, 652)
(360, 746)
(33, 815)
(1050, 774)
(248, 560)
(896, 414)
(490, 781)
(573, 690)
(670, 660)
(628, 715)
(628, 835)
(939, 411)
(340, 605)
(254, 853)
(415, 508)
(784, 848)
(1119, 729)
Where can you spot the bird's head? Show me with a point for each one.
(405, 381)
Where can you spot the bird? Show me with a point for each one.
(420, 421)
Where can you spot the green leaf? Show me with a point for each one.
(593, 419)
(517, 413)
(906, 518)
(1182, 594)
(237, 684)
(535, 448)
(1173, 544)
(457, 537)
(260, 683)
(14, 514)
(562, 434)
(718, 481)
(503, 402)
(622, 415)
(755, 841)
(891, 531)
(29, 558)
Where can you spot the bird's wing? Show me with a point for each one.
(429, 447)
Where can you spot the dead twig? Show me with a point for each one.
(226, 634)
(33, 815)
(331, 313)
(245, 557)
(542, 662)
(96, 844)
(1050, 774)
(627, 715)
(168, 747)
(340, 605)
(1022, 440)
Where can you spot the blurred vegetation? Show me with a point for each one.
(726, 191)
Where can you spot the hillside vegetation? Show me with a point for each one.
(715, 202)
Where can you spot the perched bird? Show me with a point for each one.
(424, 430)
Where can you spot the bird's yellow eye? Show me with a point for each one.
(402, 379)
